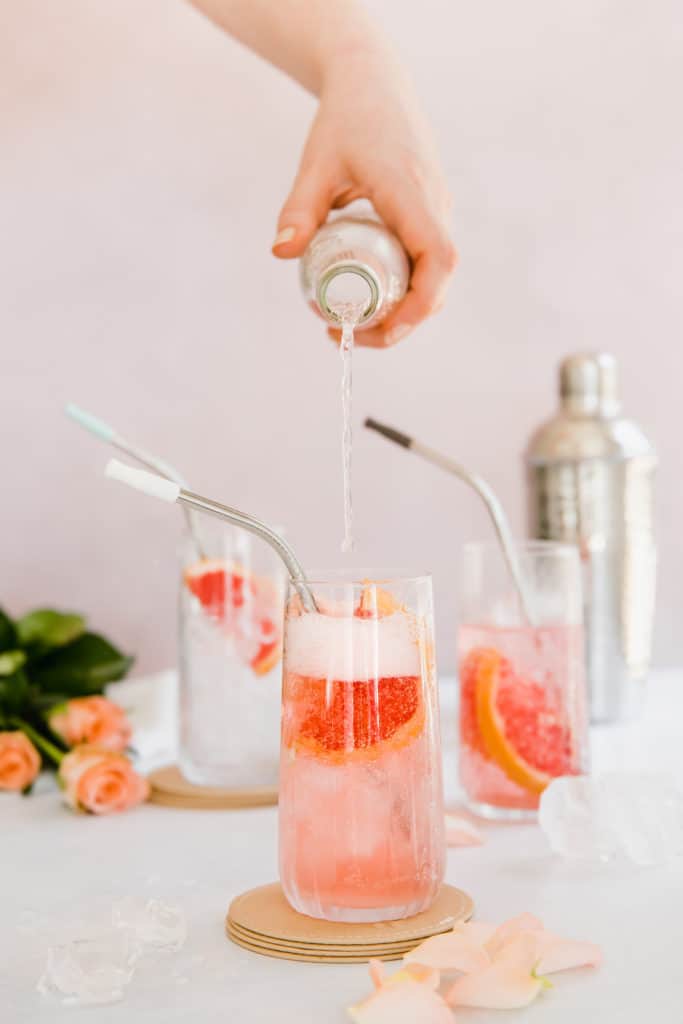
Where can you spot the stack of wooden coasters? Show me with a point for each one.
(171, 789)
(262, 921)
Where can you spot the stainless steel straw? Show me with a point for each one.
(98, 428)
(168, 490)
(488, 496)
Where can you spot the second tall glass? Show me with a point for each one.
(231, 607)
(522, 684)
(361, 805)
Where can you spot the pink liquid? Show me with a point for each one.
(361, 814)
(539, 709)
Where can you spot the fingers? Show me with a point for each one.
(425, 237)
(425, 296)
(305, 210)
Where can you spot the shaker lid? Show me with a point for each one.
(589, 384)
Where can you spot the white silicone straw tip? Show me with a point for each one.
(139, 479)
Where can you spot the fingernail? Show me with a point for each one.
(284, 235)
(393, 336)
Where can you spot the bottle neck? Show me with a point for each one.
(349, 288)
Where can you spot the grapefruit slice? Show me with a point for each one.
(270, 650)
(519, 727)
(344, 720)
(376, 603)
(218, 584)
(245, 605)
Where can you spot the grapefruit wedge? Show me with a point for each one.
(519, 726)
(245, 606)
(376, 603)
(343, 721)
(217, 584)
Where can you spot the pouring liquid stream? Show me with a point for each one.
(349, 314)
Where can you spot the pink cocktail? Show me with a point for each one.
(361, 807)
(522, 685)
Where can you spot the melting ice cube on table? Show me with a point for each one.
(151, 924)
(88, 972)
(639, 817)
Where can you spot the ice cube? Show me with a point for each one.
(150, 924)
(88, 972)
(637, 817)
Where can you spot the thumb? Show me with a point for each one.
(304, 211)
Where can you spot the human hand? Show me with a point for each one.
(370, 140)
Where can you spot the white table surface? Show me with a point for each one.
(57, 866)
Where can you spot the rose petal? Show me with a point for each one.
(461, 832)
(508, 983)
(511, 928)
(19, 761)
(100, 781)
(558, 954)
(428, 976)
(377, 972)
(94, 720)
(404, 1001)
(499, 987)
(452, 951)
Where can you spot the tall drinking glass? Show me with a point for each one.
(361, 805)
(231, 612)
(522, 686)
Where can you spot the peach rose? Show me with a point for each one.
(19, 761)
(100, 781)
(93, 720)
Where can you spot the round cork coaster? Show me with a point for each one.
(171, 789)
(262, 921)
(316, 958)
(328, 950)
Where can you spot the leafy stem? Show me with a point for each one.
(44, 745)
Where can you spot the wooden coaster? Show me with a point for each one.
(262, 921)
(171, 789)
(293, 947)
(315, 958)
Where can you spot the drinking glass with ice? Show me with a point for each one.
(361, 805)
(523, 700)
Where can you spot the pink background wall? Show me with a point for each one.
(144, 159)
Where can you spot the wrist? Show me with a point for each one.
(351, 45)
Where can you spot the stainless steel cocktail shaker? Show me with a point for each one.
(353, 260)
(590, 475)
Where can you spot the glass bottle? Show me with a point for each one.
(354, 261)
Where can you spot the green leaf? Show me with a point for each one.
(14, 692)
(8, 633)
(10, 661)
(45, 628)
(83, 667)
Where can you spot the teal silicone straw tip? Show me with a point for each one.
(97, 427)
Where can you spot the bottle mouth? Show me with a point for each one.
(348, 286)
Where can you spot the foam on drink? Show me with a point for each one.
(351, 649)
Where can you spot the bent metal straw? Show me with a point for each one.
(485, 492)
(168, 490)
